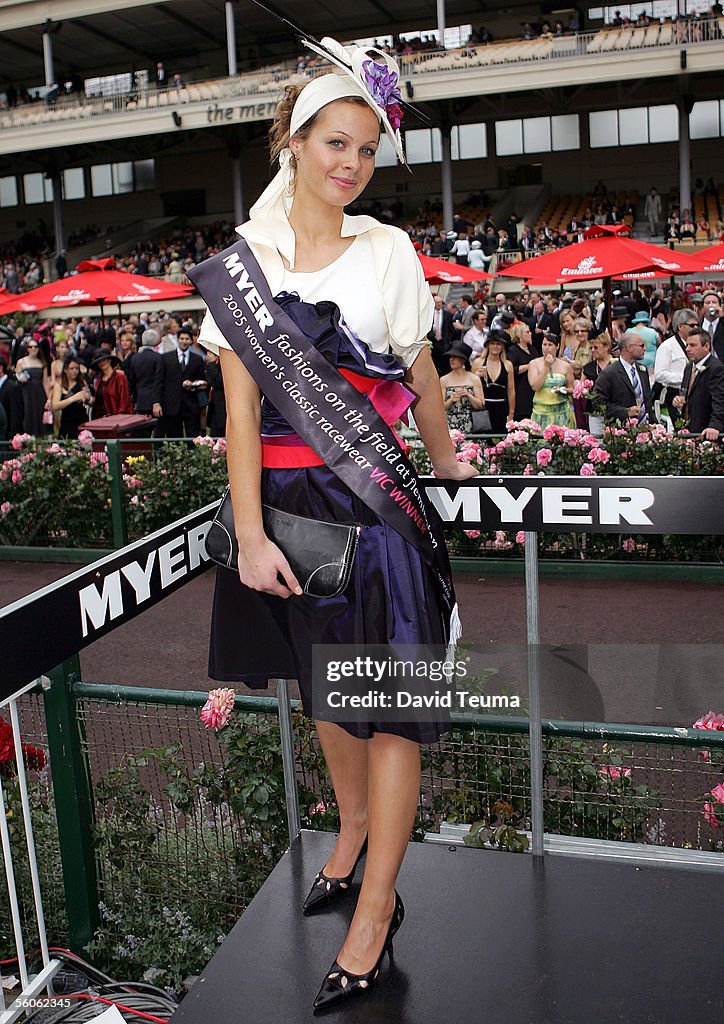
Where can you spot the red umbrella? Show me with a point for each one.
(604, 255)
(97, 284)
(709, 261)
(442, 272)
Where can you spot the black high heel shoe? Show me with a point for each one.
(340, 984)
(326, 890)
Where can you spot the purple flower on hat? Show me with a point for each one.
(383, 86)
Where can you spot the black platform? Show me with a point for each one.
(495, 938)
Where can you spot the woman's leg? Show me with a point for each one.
(346, 758)
(393, 792)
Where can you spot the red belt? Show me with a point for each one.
(391, 399)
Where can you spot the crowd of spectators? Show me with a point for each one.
(561, 360)
(555, 359)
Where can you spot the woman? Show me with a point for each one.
(497, 375)
(551, 378)
(462, 391)
(33, 374)
(568, 337)
(70, 396)
(601, 356)
(326, 136)
(579, 355)
(62, 350)
(112, 395)
(520, 354)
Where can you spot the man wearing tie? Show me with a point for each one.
(701, 402)
(179, 376)
(441, 335)
(622, 388)
(713, 322)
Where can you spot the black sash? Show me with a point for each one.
(338, 422)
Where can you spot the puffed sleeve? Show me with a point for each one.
(407, 299)
(210, 336)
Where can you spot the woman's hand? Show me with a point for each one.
(549, 359)
(260, 566)
(456, 471)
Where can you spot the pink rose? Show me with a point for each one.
(629, 545)
(520, 537)
(711, 720)
(544, 457)
(215, 712)
(17, 476)
(643, 438)
(5, 508)
(597, 455)
(710, 815)
(528, 471)
(472, 534)
(611, 771)
(587, 469)
(552, 431)
(718, 793)
(85, 438)
(456, 436)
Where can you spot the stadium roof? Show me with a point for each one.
(100, 37)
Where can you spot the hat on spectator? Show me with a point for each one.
(460, 349)
(451, 235)
(507, 318)
(642, 317)
(498, 335)
(476, 245)
(696, 297)
(102, 354)
(620, 309)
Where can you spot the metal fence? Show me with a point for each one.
(266, 83)
(180, 851)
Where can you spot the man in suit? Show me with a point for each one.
(701, 401)
(623, 389)
(713, 322)
(179, 376)
(142, 372)
(11, 402)
(441, 335)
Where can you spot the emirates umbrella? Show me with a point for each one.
(98, 283)
(709, 261)
(442, 272)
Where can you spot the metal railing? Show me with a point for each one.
(266, 83)
(93, 601)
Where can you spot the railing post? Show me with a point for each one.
(294, 822)
(118, 506)
(532, 605)
(73, 793)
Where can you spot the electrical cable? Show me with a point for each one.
(135, 1001)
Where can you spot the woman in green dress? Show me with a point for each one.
(552, 381)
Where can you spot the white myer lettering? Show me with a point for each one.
(449, 506)
(98, 607)
(170, 561)
(236, 269)
(625, 504)
(559, 505)
(511, 509)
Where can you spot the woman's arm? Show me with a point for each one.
(260, 560)
(56, 402)
(537, 372)
(477, 399)
(430, 418)
(511, 389)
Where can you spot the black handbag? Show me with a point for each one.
(321, 555)
(481, 422)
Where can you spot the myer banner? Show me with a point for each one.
(42, 630)
(655, 504)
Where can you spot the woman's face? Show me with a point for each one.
(599, 350)
(33, 349)
(566, 321)
(337, 159)
(525, 334)
(62, 349)
(549, 348)
(72, 369)
(456, 363)
(495, 348)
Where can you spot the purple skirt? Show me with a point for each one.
(392, 598)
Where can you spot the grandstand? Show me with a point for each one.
(88, 137)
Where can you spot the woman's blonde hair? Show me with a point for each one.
(516, 332)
